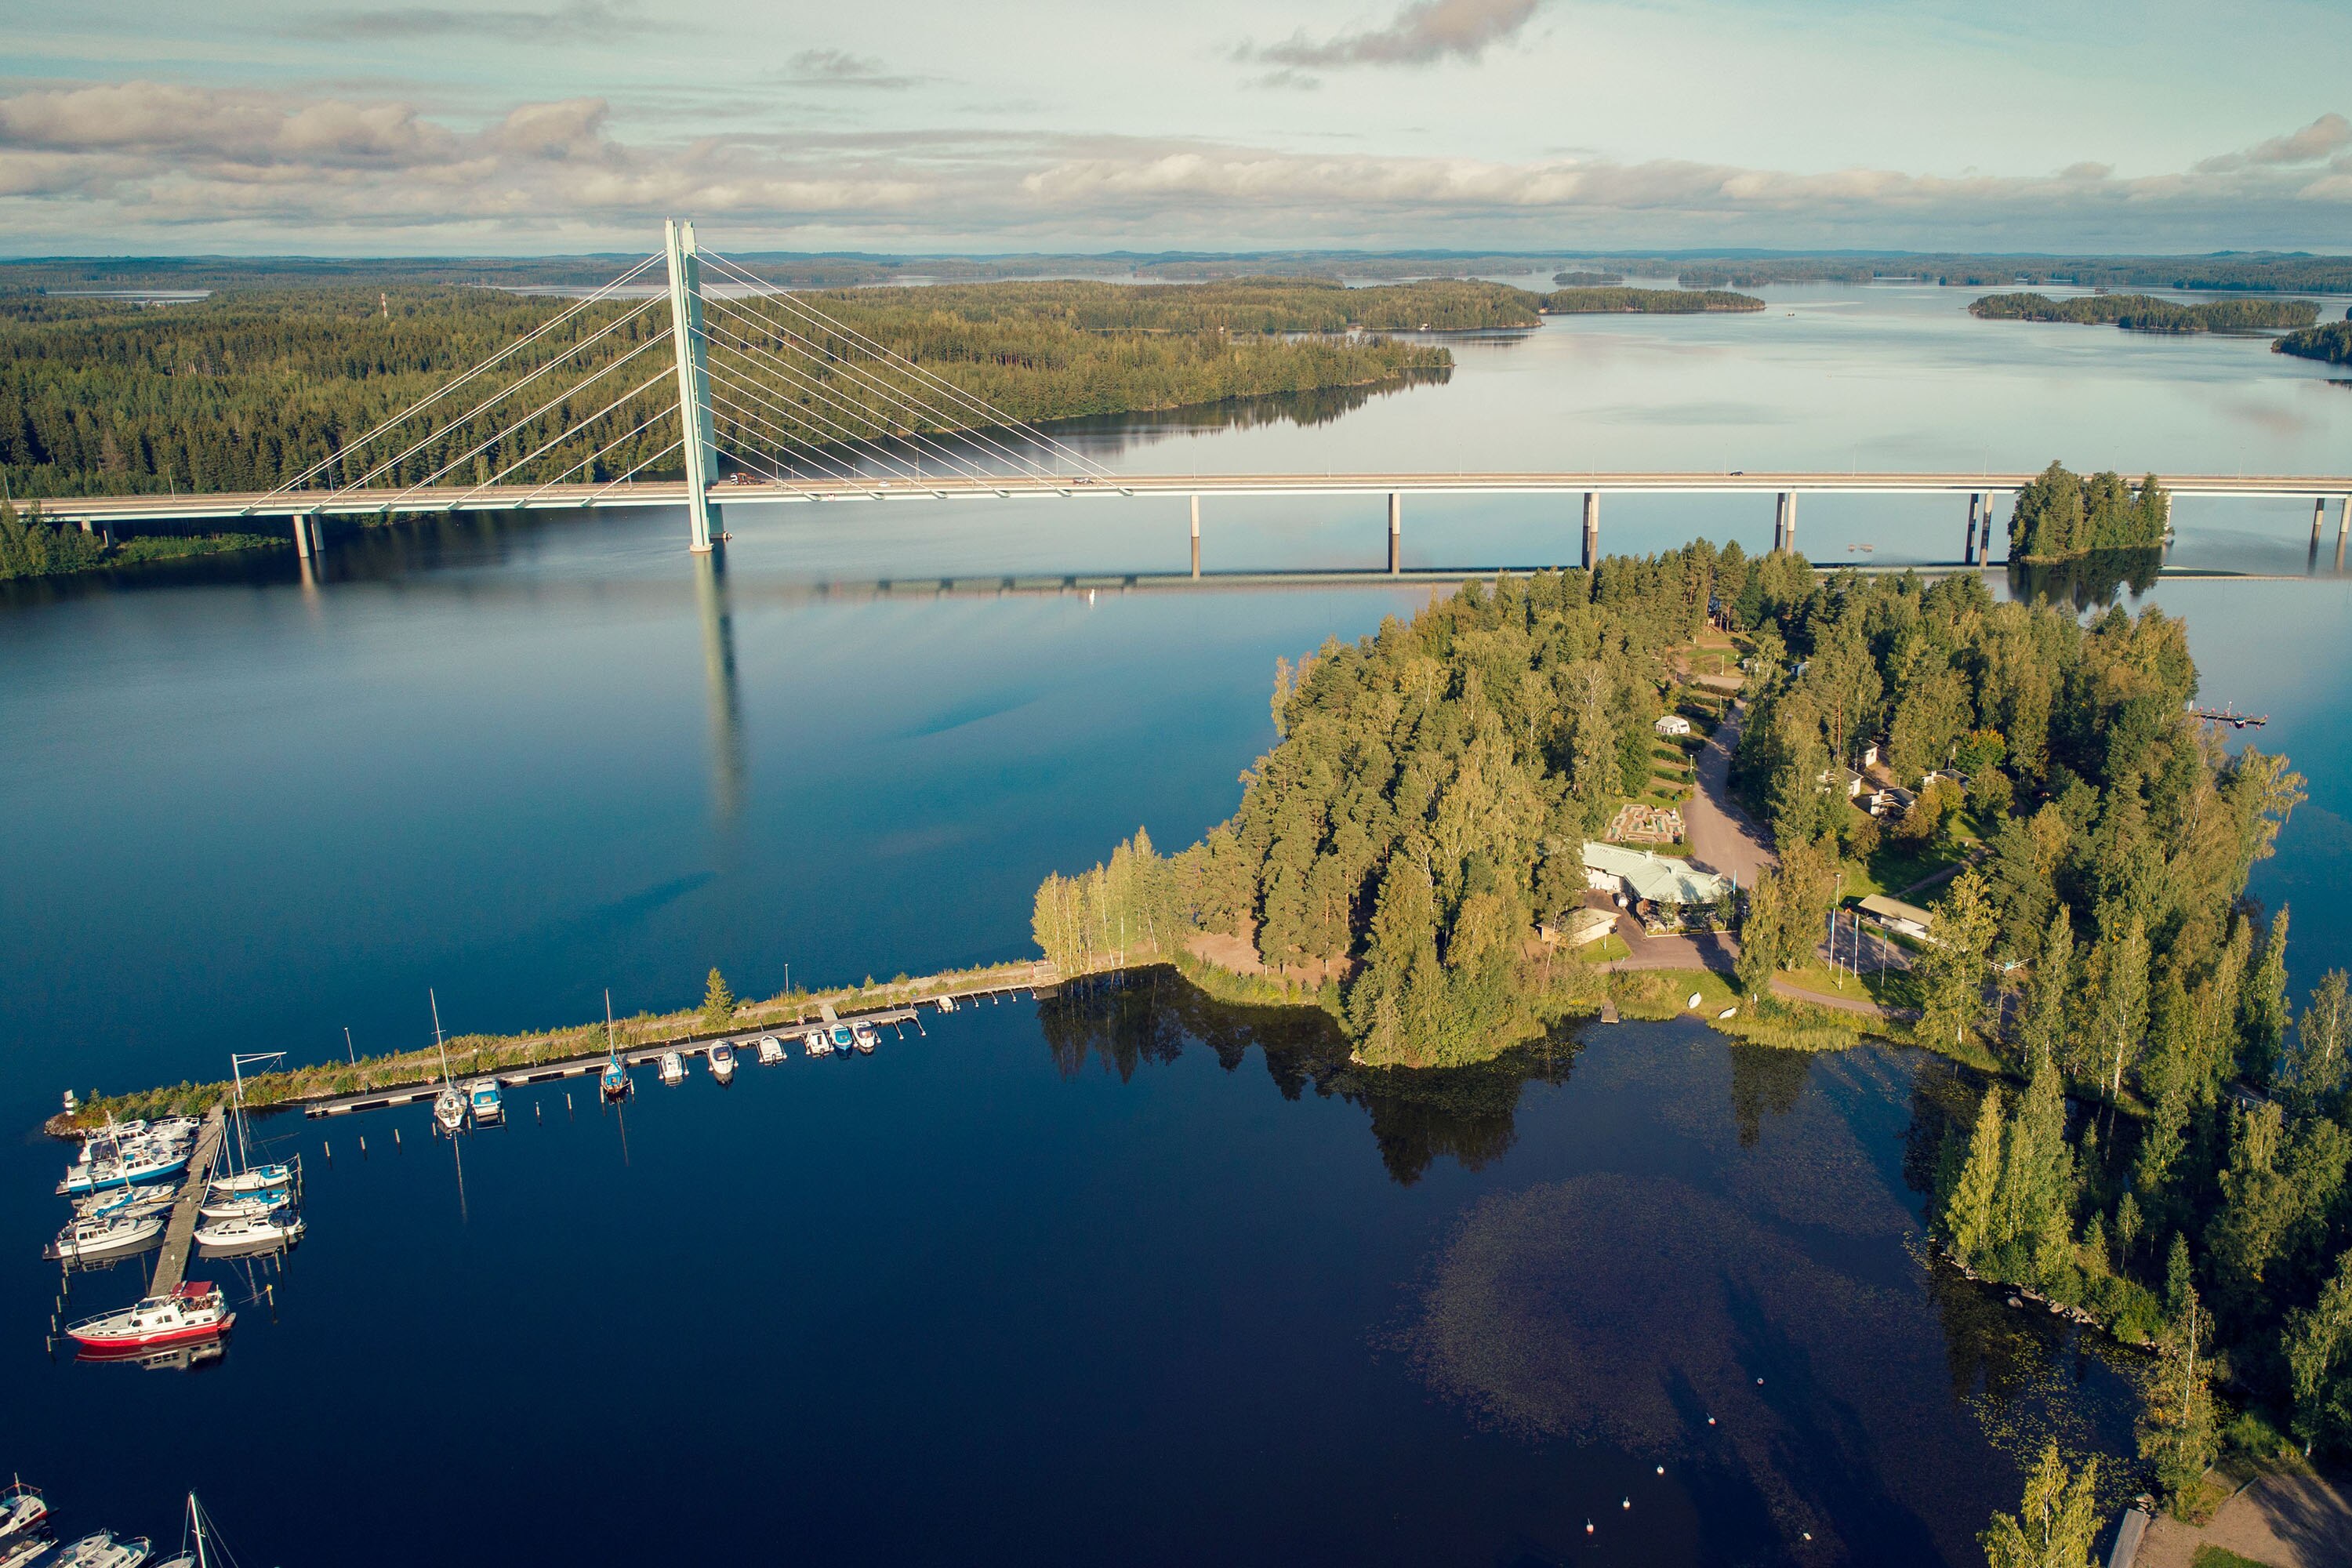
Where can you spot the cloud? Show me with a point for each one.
(1423, 34)
(176, 166)
(2328, 133)
(581, 20)
(839, 67)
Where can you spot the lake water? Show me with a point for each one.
(1131, 1277)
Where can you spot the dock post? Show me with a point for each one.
(1196, 536)
(1592, 530)
(303, 534)
(1969, 537)
(1396, 532)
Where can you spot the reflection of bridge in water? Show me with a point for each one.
(762, 399)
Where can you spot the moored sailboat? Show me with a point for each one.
(448, 1106)
(615, 1083)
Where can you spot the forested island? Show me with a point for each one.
(2331, 344)
(1587, 280)
(2060, 516)
(240, 390)
(1657, 301)
(2146, 314)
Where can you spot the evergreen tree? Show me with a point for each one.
(2121, 1006)
(718, 1003)
(2323, 1045)
(2042, 1036)
(2263, 1009)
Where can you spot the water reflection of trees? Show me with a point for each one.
(1765, 1081)
(1123, 1022)
(2088, 582)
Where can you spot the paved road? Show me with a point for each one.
(1722, 839)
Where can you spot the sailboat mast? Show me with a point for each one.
(196, 1517)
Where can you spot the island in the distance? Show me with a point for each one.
(2146, 314)
(1651, 301)
(2331, 344)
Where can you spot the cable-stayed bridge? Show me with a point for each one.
(716, 388)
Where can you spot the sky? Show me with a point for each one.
(537, 126)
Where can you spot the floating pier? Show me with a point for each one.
(173, 1267)
(639, 1055)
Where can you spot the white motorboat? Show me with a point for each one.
(21, 1508)
(946, 1004)
(863, 1033)
(486, 1104)
(771, 1050)
(116, 1236)
(140, 1163)
(841, 1039)
(673, 1067)
(102, 1551)
(816, 1043)
(281, 1226)
(722, 1062)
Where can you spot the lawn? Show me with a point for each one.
(2209, 1556)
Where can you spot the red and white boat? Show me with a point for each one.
(196, 1311)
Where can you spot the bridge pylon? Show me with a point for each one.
(699, 448)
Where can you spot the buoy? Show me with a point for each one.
(362, 1144)
(1710, 1420)
(1662, 1470)
(1760, 1382)
(327, 1148)
(1588, 1527)
(1808, 1535)
(1627, 1503)
(395, 1135)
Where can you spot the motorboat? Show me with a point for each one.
(817, 1043)
(673, 1067)
(196, 1311)
(102, 1551)
(260, 1179)
(771, 1050)
(256, 1205)
(142, 1164)
(116, 1236)
(946, 1004)
(841, 1039)
(722, 1062)
(279, 1228)
(121, 1200)
(21, 1508)
(863, 1033)
(483, 1101)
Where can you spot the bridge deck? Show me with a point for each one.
(672, 492)
(173, 1267)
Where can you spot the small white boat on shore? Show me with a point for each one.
(116, 1236)
(771, 1050)
(673, 1067)
(279, 1228)
(722, 1062)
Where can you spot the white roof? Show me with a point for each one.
(1661, 879)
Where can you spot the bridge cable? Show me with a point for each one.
(578, 426)
(1002, 419)
(343, 452)
(947, 423)
(808, 414)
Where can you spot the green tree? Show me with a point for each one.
(2057, 1523)
(718, 1003)
(2120, 1008)
(1952, 971)
(2263, 1008)
(2318, 1345)
(1970, 1218)
(2176, 1426)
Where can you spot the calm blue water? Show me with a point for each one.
(1133, 1277)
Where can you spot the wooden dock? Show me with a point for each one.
(744, 1040)
(181, 1235)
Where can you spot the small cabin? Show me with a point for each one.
(1672, 724)
(1898, 916)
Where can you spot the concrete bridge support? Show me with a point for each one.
(1196, 536)
(2318, 516)
(1984, 551)
(1968, 536)
(302, 535)
(699, 448)
(1396, 532)
(1592, 530)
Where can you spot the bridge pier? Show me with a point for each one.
(1984, 551)
(1196, 536)
(2318, 516)
(302, 535)
(1968, 535)
(1396, 532)
(1592, 530)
